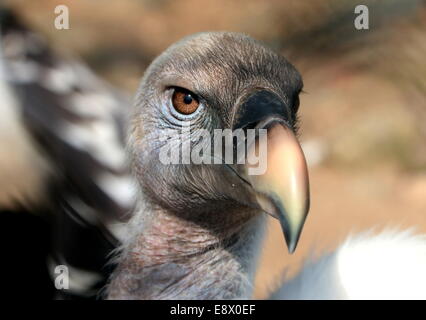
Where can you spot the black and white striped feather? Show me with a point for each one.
(64, 128)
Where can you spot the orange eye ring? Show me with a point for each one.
(184, 101)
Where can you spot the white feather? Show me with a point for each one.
(23, 169)
(390, 265)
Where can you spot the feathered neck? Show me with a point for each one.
(168, 257)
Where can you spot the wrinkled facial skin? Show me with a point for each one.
(222, 69)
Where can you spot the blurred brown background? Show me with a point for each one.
(363, 116)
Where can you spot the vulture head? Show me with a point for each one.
(192, 209)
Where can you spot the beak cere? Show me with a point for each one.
(282, 190)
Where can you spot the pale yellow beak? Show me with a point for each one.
(283, 190)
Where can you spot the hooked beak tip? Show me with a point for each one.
(283, 190)
(291, 234)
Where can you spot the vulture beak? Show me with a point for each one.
(282, 189)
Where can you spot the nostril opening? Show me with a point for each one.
(258, 106)
(250, 125)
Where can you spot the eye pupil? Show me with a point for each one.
(187, 99)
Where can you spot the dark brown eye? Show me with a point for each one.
(184, 101)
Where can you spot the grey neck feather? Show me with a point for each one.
(167, 257)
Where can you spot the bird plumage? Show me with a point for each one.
(63, 151)
(384, 265)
